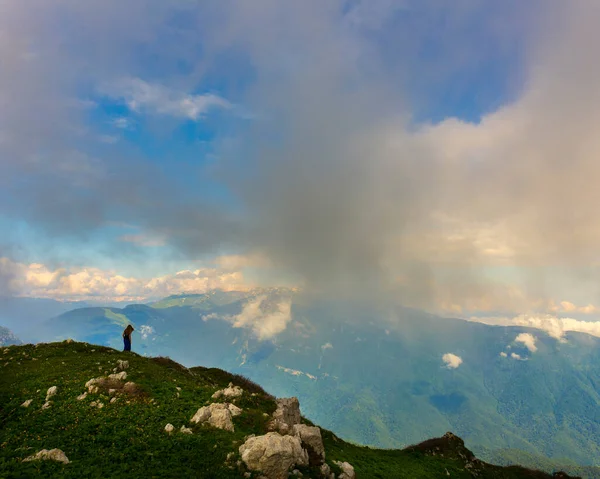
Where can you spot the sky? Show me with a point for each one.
(440, 153)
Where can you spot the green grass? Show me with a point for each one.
(127, 438)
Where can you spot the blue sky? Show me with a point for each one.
(412, 147)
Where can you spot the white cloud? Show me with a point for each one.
(452, 360)
(122, 122)
(503, 354)
(265, 321)
(38, 280)
(146, 331)
(327, 346)
(517, 357)
(528, 340)
(141, 96)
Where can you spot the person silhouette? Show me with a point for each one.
(127, 337)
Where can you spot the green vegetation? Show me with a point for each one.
(127, 437)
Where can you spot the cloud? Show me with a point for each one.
(327, 346)
(144, 240)
(528, 340)
(517, 357)
(40, 281)
(452, 360)
(503, 354)
(336, 181)
(122, 122)
(141, 96)
(146, 331)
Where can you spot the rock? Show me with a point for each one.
(347, 470)
(311, 440)
(185, 430)
(122, 365)
(273, 454)
(113, 400)
(326, 471)
(112, 392)
(169, 428)
(230, 391)
(51, 392)
(120, 376)
(286, 415)
(247, 474)
(297, 473)
(178, 388)
(27, 403)
(217, 415)
(230, 456)
(47, 404)
(234, 410)
(69, 341)
(100, 405)
(130, 388)
(49, 455)
(93, 404)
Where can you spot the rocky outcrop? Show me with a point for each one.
(49, 455)
(347, 470)
(273, 454)
(229, 392)
(51, 392)
(312, 442)
(217, 415)
(286, 415)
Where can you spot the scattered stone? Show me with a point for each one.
(69, 341)
(93, 403)
(311, 440)
(273, 454)
(120, 376)
(112, 392)
(247, 474)
(27, 403)
(185, 430)
(297, 473)
(230, 391)
(81, 397)
(47, 404)
(234, 410)
(347, 470)
(326, 471)
(169, 428)
(286, 415)
(217, 415)
(122, 365)
(178, 388)
(51, 392)
(230, 456)
(100, 405)
(49, 455)
(113, 400)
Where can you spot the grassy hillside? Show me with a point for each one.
(127, 437)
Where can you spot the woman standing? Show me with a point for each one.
(127, 337)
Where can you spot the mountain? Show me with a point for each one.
(374, 374)
(24, 315)
(7, 338)
(62, 416)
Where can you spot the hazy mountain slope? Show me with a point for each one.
(127, 437)
(382, 382)
(7, 338)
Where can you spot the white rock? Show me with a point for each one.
(311, 440)
(273, 454)
(122, 365)
(49, 455)
(120, 376)
(51, 392)
(169, 428)
(112, 392)
(47, 404)
(347, 470)
(93, 403)
(286, 415)
(27, 403)
(113, 400)
(69, 341)
(234, 410)
(81, 397)
(230, 391)
(217, 415)
(178, 388)
(185, 430)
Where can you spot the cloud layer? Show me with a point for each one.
(333, 179)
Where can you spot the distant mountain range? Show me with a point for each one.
(375, 374)
(7, 338)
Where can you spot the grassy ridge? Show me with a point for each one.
(127, 437)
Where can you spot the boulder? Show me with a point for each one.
(82, 396)
(234, 410)
(185, 430)
(311, 440)
(326, 472)
(347, 470)
(230, 391)
(47, 404)
(51, 392)
(169, 428)
(120, 376)
(286, 415)
(273, 454)
(49, 455)
(122, 365)
(217, 415)
(27, 403)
